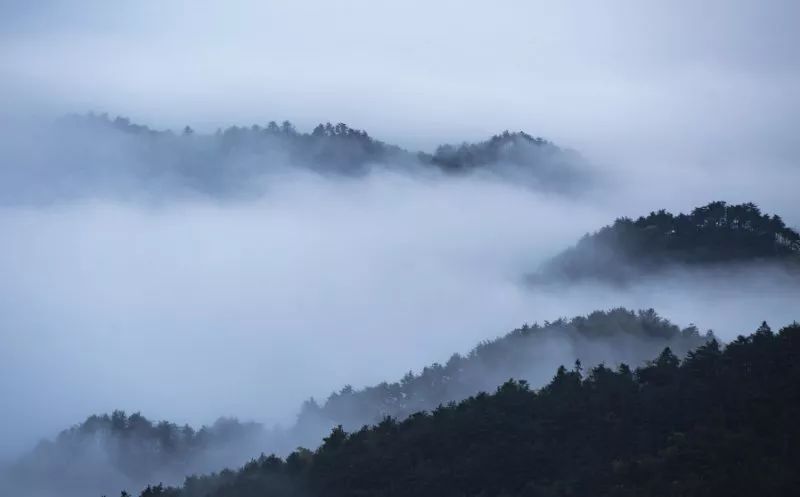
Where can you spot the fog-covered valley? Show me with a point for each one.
(228, 228)
(196, 306)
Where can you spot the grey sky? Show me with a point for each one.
(582, 72)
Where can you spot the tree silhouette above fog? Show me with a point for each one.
(715, 234)
(97, 155)
(506, 146)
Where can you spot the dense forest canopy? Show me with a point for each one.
(723, 421)
(712, 235)
(96, 154)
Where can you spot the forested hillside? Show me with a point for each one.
(131, 450)
(721, 422)
(714, 235)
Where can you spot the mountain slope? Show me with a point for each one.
(530, 353)
(721, 422)
(107, 452)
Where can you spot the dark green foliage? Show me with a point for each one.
(711, 235)
(530, 353)
(722, 422)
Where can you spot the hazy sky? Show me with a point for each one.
(108, 304)
(644, 73)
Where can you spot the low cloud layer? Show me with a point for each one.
(193, 310)
(114, 303)
(667, 77)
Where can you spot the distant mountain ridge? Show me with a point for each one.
(357, 146)
(101, 156)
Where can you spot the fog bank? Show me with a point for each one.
(194, 310)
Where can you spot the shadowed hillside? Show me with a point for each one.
(109, 451)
